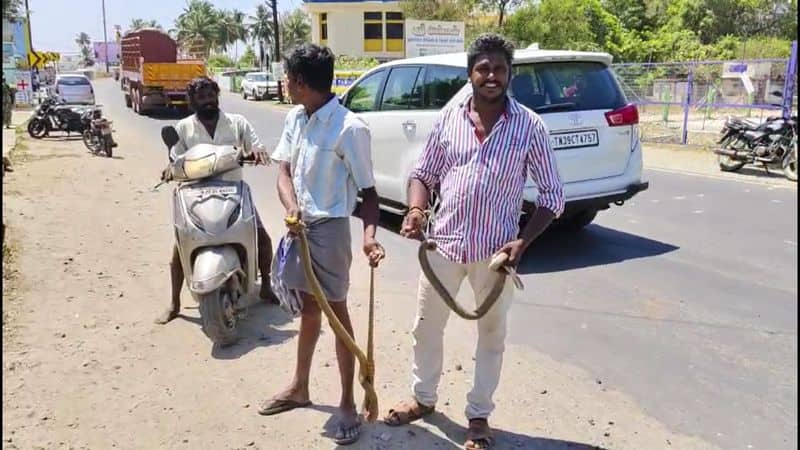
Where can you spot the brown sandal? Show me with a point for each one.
(407, 412)
(479, 435)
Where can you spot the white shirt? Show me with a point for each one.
(232, 129)
(330, 157)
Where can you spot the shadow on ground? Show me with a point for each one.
(414, 436)
(261, 328)
(595, 245)
(559, 250)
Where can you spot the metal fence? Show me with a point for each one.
(687, 102)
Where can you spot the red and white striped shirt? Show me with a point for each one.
(481, 183)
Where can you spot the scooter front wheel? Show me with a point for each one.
(219, 317)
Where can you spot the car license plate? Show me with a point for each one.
(574, 140)
(215, 190)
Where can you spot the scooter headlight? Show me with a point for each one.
(199, 168)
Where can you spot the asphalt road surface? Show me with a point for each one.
(685, 298)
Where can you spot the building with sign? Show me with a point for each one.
(358, 28)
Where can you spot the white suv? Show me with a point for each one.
(259, 86)
(593, 129)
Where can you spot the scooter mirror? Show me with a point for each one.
(169, 136)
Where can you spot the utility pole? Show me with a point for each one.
(276, 37)
(105, 34)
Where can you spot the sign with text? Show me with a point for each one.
(428, 37)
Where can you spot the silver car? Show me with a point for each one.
(75, 89)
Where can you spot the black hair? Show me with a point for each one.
(312, 63)
(489, 43)
(200, 83)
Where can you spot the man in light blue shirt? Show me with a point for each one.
(325, 161)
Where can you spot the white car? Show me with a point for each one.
(593, 129)
(74, 89)
(259, 85)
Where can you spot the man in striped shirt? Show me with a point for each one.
(478, 156)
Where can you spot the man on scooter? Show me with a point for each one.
(209, 125)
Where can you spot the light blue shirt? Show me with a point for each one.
(330, 157)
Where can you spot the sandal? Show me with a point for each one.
(407, 412)
(278, 405)
(479, 435)
(342, 437)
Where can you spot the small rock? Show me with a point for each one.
(185, 441)
(606, 434)
(668, 442)
(121, 294)
(543, 392)
(458, 367)
(246, 405)
(86, 363)
(599, 381)
(411, 432)
(611, 422)
(117, 327)
(385, 436)
(251, 443)
(591, 422)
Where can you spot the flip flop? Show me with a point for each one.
(407, 412)
(277, 406)
(478, 436)
(348, 440)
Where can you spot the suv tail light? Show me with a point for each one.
(627, 115)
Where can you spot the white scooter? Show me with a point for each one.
(215, 229)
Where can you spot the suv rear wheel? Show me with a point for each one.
(578, 221)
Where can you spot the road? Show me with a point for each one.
(685, 298)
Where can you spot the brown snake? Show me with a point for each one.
(366, 362)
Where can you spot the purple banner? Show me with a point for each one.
(100, 52)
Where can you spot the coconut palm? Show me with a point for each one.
(85, 43)
(261, 29)
(138, 24)
(197, 27)
(295, 29)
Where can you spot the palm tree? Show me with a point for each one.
(138, 24)
(295, 29)
(241, 31)
(261, 30)
(85, 42)
(197, 27)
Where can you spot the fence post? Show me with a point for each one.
(788, 82)
(687, 103)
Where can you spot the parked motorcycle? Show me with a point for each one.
(215, 228)
(771, 143)
(54, 115)
(98, 137)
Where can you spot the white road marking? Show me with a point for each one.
(734, 178)
(679, 197)
(698, 211)
(790, 242)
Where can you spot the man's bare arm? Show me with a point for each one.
(286, 190)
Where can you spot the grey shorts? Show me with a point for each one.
(329, 244)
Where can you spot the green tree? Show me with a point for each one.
(446, 10)
(12, 10)
(295, 29)
(197, 27)
(85, 44)
(248, 58)
(260, 30)
(138, 24)
(499, 7)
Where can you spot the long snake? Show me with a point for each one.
(366, 362)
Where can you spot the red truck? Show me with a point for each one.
(151, 74)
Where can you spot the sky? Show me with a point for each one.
(55, 23)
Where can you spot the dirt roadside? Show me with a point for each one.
(85, 367)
